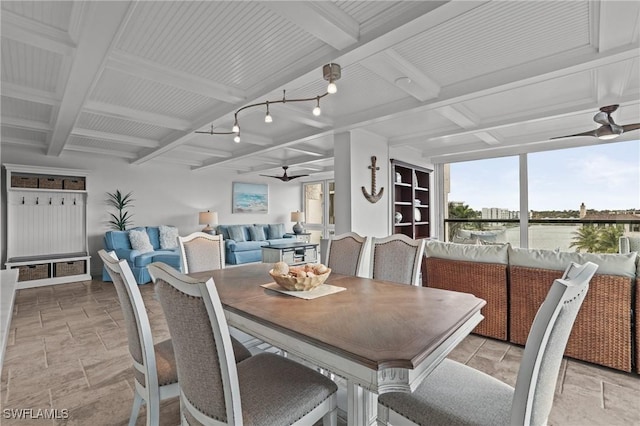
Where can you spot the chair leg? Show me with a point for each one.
(137, 403)
(331, 418)
(153, 409)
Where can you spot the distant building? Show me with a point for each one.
(612, 217)
(499, 213)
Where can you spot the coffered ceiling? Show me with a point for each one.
(445, 80)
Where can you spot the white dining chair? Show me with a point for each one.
(201, 252)
(155, 371)
(265, 389)
(455, 394)
(396, 258)
(346, 253)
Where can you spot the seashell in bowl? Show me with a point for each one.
(301, 283)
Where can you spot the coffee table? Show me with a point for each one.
(297, 253)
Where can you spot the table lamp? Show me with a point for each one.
(297, 217)
(208, 218)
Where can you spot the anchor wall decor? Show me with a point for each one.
(373, 197)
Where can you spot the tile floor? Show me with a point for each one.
(68, 351)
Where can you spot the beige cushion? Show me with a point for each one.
(471, 253)
(608, 264)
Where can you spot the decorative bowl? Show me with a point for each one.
(299, 283)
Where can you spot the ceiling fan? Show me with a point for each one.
(285, 177)
(608, 129)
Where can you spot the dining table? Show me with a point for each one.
(378, 335)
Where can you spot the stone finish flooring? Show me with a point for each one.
(68, 351)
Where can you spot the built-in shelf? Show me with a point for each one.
(47, 225)
(410, 195)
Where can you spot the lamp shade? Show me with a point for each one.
(208, 218)
(297, 216)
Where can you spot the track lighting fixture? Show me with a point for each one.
(330, 72)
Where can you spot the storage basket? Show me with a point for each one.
(33, 272)
(24, 181)
(50, 183)
(65, 269)
(73, 183)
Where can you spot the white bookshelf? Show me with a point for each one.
(47, 225)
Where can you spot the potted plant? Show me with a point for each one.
(120, 202)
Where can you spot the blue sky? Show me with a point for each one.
(604, 176)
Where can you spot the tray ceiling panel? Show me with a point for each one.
(30, 66)
(23, 134)
(232, 43)
(26, 110)
(55, 14)
(412, 123)
(496, 36)
(110, 145)
(114, 125)
(547, 95)
(128, 91)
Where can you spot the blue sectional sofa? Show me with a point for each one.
(243, 243)
(118, 241)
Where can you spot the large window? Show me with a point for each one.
(580, 199)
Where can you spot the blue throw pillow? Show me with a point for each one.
(257, 233)
(236, 232)
(276, 231)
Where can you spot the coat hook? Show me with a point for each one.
(49, 200)
(22, 200)
(37, 200)
(74, 201)
(62, 201)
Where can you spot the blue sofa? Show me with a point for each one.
(247, 248)
(118, 241)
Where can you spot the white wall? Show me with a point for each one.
(165, 194)
(353, 152)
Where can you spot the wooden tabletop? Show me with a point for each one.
(375, 323)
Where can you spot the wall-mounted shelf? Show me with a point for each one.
(411, 199)
(47, 225)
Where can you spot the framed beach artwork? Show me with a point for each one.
(250, 198)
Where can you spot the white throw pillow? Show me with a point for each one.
(168, 237)
(140, 241)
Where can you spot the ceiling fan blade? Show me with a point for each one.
(589, 133)
(630, 127)
(277, 177)
(294, 177)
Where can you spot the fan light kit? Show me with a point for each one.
(330, 72)
(608, 129)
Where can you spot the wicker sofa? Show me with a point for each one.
(515, 281)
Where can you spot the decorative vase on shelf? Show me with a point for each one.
(398, 217)
(398, 177)
(416, 215)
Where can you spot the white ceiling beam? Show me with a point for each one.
(298, 115)
(29, 94)
(104, 19)
(34, 33)
(488, 138)
(26, 124)
(324, 20)
(99, 151)
(309, 150)
(204, 151)
(459, 115)
(143, 68)
(23, 142)
(130, 114)
(401, 73)
(124, 139)
(183, 161)
(292, 163)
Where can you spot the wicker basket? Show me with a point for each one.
(65, 269)
(73, 183)
(50, 183)
(33, 272)
(24, 181)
